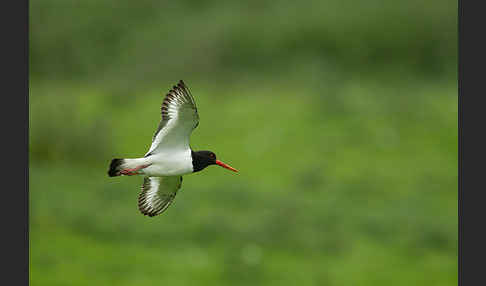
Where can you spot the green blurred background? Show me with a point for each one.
(340, 115)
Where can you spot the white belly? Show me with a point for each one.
(174, 163)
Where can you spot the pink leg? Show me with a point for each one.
(131, 172)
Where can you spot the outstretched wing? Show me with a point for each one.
(179, 118)
(157, 194)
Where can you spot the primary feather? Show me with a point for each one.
(179, 118)
(157, 194)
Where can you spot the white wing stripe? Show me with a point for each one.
(179, 118)
(157, 194)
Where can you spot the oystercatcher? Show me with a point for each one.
(169, 156)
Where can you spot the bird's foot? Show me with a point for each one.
(127, 172)
(134, 171)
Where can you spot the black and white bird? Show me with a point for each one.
(170, 155)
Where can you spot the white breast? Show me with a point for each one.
(170, 163)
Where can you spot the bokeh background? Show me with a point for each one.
(340, 115)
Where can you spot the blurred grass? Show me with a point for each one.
(340, 116)
(134, 46)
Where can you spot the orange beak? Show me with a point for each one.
(225, 166)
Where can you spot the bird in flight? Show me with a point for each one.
(169, 156)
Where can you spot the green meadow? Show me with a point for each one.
(340, 116)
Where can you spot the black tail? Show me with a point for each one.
(115, 167)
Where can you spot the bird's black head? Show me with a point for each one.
(202, 159)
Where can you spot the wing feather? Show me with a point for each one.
(157, 194)
(179, 118)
